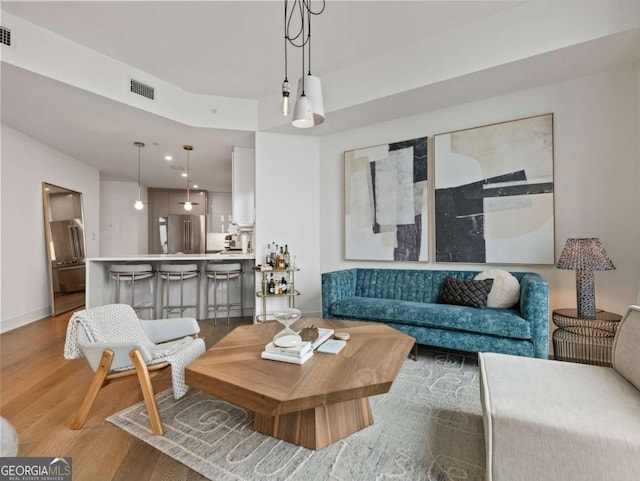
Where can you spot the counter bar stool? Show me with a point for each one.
(173, 278)
(221, 275)
(130, 276)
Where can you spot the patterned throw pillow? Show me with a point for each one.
(466, 293)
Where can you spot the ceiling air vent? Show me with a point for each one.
(5, 36)
(142, 89)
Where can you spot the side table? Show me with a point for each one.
(588, 341)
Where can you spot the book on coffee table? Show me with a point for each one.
(332, 346)
(297, 354)
(299, 350)
(274, 356)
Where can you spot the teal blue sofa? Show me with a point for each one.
(407, 300)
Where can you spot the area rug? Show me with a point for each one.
(428, 427)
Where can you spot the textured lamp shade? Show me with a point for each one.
(584, 256)
(313, 91)
(302, 115)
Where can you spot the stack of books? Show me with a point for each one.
(297, 354)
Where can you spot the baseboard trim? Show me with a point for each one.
(7, 325)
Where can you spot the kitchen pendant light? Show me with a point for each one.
(139, 205)
(309, 108)
(188, 205)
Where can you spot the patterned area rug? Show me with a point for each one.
(428, 427)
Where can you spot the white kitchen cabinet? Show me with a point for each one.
(219, 212)
(243, 185)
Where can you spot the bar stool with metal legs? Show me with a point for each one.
(220, 276)
(140, 297)
(173, 279)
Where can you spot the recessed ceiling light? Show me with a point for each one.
(184, 174)
(168, 158)
(195, 186)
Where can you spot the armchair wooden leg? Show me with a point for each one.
(147, 392)
(96, 384)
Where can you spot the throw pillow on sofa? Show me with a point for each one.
(505, 292)
(470, 293)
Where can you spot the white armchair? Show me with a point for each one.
(116, 344)
(549, 420)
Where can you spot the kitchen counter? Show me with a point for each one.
(98, 282)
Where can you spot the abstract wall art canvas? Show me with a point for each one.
(494, 193)
(386, 201)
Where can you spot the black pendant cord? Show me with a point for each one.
(299, 6)
(286, 68)
(138, 172)
(309, 37)
(188, 174)
(302, 62)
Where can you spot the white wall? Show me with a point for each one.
(596, 128)
(288, 209)
(26, 163)
(123, 229)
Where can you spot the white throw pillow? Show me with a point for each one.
(505, 291)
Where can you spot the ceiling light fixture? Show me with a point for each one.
(139, 205)
(188, 205)
(309, 108)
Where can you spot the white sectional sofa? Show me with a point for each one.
(553, 420)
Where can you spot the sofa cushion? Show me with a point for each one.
(505, 291)
(497, 322)
(465, 292)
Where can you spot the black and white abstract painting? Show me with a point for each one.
(494, 193)
(386, 202)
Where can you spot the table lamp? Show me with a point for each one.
(585, 256)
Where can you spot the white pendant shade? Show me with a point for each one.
(313, 91)
(302, 114)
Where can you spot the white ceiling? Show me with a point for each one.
(235, 49)
(232, 49)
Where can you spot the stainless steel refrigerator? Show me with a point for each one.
(67, 253)
(174, 234)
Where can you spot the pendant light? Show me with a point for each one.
(309, 108)
(188, 205)
(312, 86)
(139, 205)
(285, 84)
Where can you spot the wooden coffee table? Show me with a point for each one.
(312, 405)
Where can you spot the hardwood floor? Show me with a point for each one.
(40, 392)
